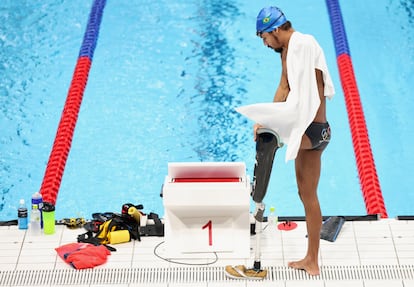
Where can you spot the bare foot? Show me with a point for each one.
(312, 268)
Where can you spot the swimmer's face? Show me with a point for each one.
(271, 41)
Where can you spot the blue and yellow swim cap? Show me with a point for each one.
(269, 19)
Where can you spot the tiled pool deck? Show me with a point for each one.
(366, 253)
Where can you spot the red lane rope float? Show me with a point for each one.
(370, 185)
(63, 140)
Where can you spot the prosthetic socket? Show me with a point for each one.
(267, 143)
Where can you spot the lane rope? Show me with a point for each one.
(374, 201)
(63, 139)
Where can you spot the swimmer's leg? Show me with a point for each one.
(267, 143)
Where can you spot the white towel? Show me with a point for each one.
(290, 119)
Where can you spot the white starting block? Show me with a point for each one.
(207, 209)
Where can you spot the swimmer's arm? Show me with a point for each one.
(282, 90)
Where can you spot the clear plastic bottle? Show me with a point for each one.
(22, 215)
(37, 202)
(35, 221)
(272, 220)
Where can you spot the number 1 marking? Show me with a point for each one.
(209, 224)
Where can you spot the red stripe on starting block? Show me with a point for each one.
(224, 179)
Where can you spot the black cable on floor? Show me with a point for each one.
(183, 263)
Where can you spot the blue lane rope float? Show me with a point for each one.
(338, 28)
(92, 30)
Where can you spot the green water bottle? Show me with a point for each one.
(48, 218)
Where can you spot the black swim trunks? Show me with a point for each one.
(319, 135)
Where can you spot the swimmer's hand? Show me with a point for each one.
(255, 128)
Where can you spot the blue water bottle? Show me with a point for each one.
(22, 215)
(37, 203)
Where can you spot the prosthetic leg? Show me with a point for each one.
(267, 143)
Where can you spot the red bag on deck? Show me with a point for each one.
(83, 255)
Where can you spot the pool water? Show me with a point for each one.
(165, 79)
